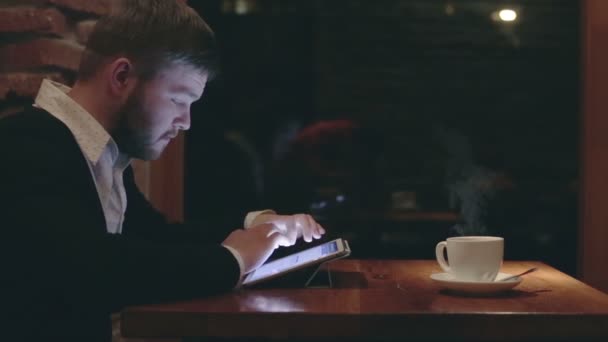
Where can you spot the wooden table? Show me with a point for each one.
(387, 299)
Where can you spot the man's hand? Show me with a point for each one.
(256, 244)
(292, 227)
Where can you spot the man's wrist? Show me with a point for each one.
(239, 260)
(255, 217)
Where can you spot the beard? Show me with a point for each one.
(131, 134)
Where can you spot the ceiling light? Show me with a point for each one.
(507, 15)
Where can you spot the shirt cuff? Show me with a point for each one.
(239, 259)
(251, 216)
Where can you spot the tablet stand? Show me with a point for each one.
(315, 277)
(320, 278)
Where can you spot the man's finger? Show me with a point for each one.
(314, 227)
(306, 228)
(315, 234)
(320, 229)
(292, 235)
(277, 239)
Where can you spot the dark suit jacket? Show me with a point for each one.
(62, 273)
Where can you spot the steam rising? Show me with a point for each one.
(469, 185)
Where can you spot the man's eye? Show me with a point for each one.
(177, 102)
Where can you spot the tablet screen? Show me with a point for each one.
(293, 261)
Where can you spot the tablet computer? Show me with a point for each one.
(317, 255)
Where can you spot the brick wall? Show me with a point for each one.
(41, 39)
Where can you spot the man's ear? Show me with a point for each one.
(122, 77)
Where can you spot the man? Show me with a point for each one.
(80, 241)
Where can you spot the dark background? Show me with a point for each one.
(396, 123)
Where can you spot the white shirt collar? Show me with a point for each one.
(88, 132)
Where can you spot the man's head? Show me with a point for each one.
(150, 59)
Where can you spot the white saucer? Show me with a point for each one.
(446, 280)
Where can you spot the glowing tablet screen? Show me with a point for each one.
(292, 261)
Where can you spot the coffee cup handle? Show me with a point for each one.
(440, 258)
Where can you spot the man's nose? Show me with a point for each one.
(183, 121)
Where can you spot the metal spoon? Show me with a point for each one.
(520, 274)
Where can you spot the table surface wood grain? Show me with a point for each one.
(380, 299)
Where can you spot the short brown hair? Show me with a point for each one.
(151, 33)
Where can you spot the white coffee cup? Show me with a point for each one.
(471, 258)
